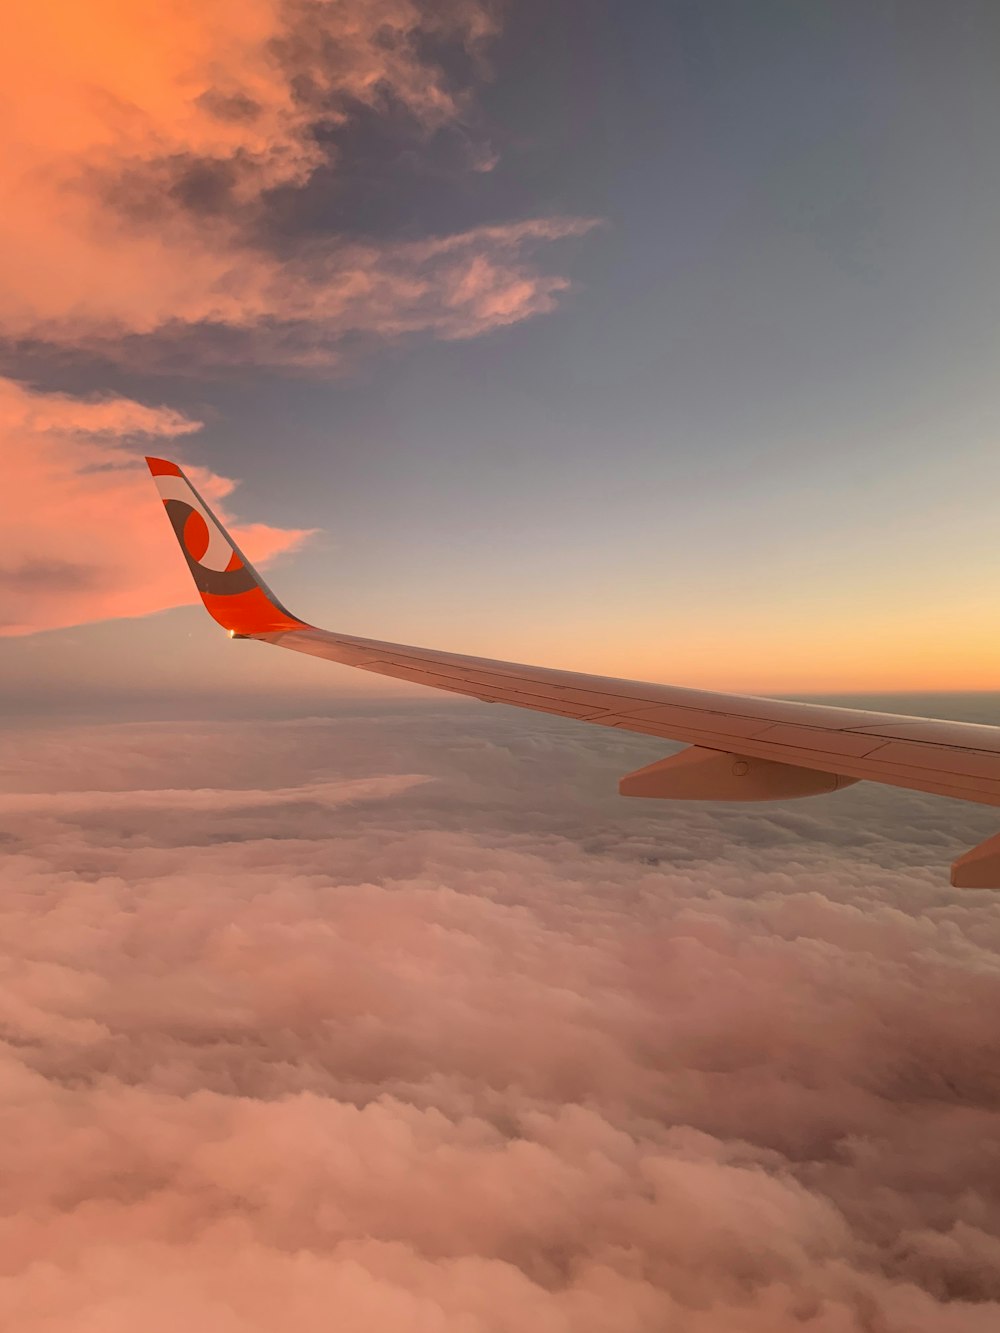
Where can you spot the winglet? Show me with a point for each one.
(233, 592)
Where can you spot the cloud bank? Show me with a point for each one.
(77, 512)
(151, 146)
(488, 1053)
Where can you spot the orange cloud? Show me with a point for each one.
(75, 511)
(148, 136)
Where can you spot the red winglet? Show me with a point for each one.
(232, 591)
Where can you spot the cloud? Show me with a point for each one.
(75, 510)
(153, 151)
(484, 1055)
(151, 142)
(212, 799)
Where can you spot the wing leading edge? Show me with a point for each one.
(741, 747)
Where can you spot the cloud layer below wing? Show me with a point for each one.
(480, 1052)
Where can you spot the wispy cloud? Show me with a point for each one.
(146, 143)
(213, 800)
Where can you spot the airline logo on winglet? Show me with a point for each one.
(199, 534)
(233, 592)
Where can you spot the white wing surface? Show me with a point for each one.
(740, 747)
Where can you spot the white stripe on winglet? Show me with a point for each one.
(219, 552)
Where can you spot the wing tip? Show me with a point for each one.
(232, 591)
(162, 467)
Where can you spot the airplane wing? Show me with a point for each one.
(740, 747)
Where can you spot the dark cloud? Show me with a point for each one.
(173, 200)
(294, 1036)
(51, 576)
(238, 107)
(184, 184)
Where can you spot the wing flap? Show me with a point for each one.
(942, 758)
(831, 742)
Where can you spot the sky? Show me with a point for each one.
(654, 339)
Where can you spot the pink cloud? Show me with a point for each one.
(147, 139)
(408, 1064)
(76, 507)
